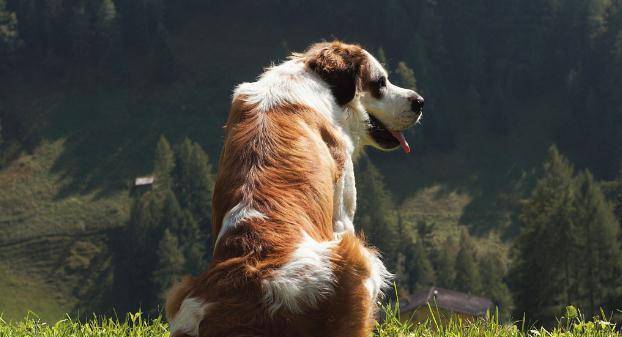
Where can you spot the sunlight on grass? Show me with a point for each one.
(571, 326)
(137, 325)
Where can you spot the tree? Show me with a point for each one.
(163, 165)
(406, 76)
(375, 215)
(547, 245)
(171, 262)
(9, 36)
(445, 263)
(142, 239)
(194, 245)
(172, 214)
(467, 272)
(182, 224)
(419, 269)
(600, 265)
(493, 270)
(107, 34)
(79, 28)
(194, 181)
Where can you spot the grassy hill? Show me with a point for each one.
(51, 246)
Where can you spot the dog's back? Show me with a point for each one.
(278, 269)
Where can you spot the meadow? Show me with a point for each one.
(137, 325)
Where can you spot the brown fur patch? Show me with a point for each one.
(340, 65)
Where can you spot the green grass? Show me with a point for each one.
(136, 325)
(573, 325)
(22, 291)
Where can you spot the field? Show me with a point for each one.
(136, 325)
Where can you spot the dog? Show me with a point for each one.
(287, 261)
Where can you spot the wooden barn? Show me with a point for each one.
(444, 302)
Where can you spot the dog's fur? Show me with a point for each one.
(286, 259)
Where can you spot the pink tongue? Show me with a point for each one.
(400, 136)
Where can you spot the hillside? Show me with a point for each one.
(52, 247)
(77, 128)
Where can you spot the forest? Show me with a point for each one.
(513, 192)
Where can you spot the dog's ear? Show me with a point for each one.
(338, 64)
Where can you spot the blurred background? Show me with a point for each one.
(111, 115)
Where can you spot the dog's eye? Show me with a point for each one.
(382, 82)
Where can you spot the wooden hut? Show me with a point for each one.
(141, 185)
(444, 303)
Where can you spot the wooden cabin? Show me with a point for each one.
(444, 303)
(141, 185)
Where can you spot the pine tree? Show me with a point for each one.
(467, 272)
(194, 181)
(406, 76)
(547, 245)
(194, 184)
(9, 36)
(172, 214)
(163, 165)
(79, 28)
(419, 269)
(445, 263)
(107, 34)
(144, 233)
(170, 265)
(182, 224)
(194, 244)
(600, 266)
(375, 215)
(493, 270)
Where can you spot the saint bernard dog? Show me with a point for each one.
(287, 261)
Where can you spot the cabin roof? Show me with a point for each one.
(448, 300)
(142, 181)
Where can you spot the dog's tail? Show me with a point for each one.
(176, 295)
(183, 311)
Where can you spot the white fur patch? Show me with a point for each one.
(380, 277)
(189, 316)
(344, 204)
(238, 213)
(303, 281)
(289, 82)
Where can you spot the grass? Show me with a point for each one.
(572, 325)
(21, 291)
(136, 325)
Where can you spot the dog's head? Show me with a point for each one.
(356, 78)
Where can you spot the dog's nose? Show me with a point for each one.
(416, 103)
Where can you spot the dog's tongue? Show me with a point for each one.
(400, 136)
